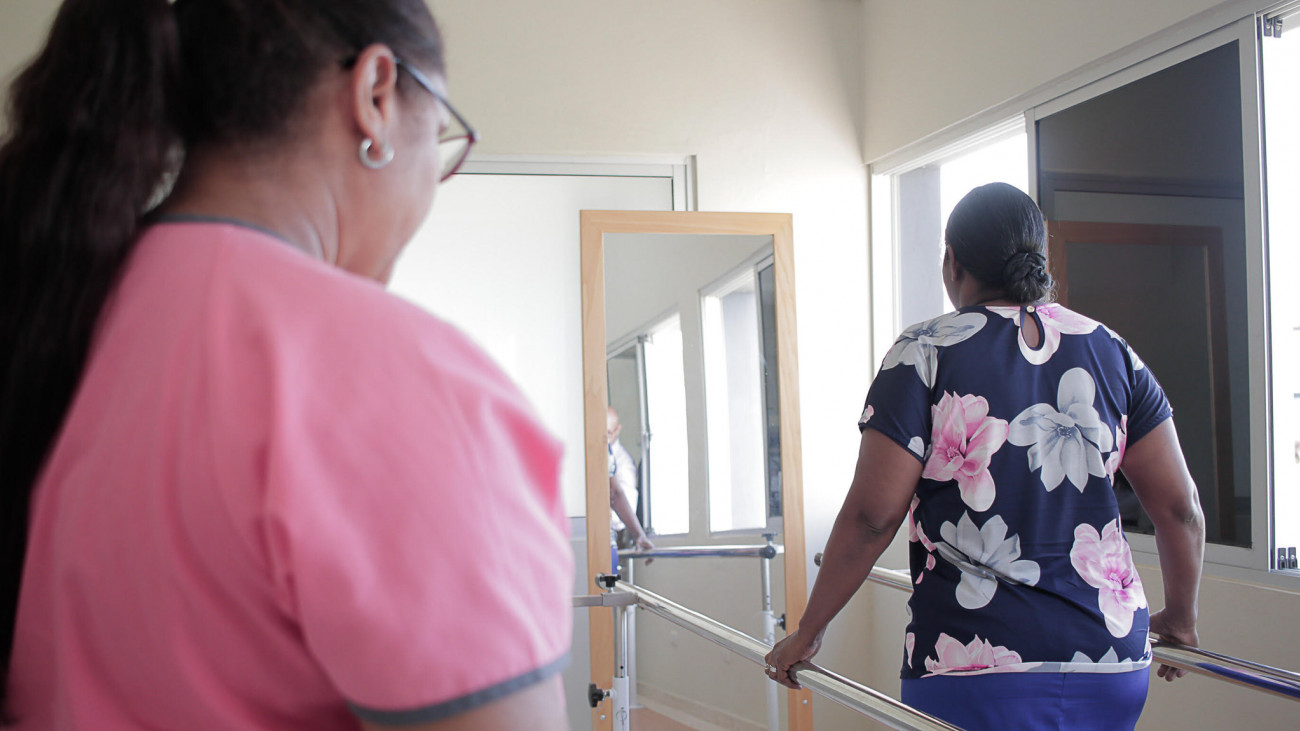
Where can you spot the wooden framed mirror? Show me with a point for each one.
(715, 254)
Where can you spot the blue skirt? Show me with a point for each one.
(1032, 701)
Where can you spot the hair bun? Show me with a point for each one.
(1025, 276)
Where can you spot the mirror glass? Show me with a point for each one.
(691, 343)
(692, 370)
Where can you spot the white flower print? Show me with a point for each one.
(1116, 458)
(1067, 443)
(1110, 657)
(919, 345)
(984, 556)
(1133, 356)
(917, 445)
(909, 643)
(1103, 560)
(954, 658)
(1056, 320)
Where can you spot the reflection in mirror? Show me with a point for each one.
(691, 365)
(738, 338)
(688, 308)
(647, 391)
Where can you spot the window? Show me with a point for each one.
(911, 201)
(1281, 70)
(665, 381)
(1146, 234)
(737, 320)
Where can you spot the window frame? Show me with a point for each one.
(636, 340)
(753, 265)
(1258, 458)
(886, 287)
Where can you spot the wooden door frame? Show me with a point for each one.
(594, 226)
(1210, 240)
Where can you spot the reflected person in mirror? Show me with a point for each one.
(242, 486)
(622, 492)
(997, 432)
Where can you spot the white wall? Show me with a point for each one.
(496, 258)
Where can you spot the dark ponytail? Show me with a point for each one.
(90, 137)
(998, 235)
(96, 124)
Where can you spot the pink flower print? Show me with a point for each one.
(1104, 562)
(1116, 458)
(909, 643)
(916, 532)
(867, 413)
(1056, 320)
(954, 658)
(911, 518)
(962, 441)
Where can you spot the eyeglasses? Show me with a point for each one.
(455, 142)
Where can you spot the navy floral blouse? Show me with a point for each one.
(1017, 557)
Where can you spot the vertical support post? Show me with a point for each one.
(631, 640)
(769, 636)
(619, 695)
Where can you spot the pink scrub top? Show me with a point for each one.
(284, 498)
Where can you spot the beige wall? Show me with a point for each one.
(23, 25)
(927, 68)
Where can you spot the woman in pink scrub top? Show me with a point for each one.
(241, 485)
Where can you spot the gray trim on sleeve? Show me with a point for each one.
(456, 706)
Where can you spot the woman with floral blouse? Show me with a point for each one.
(996, 431)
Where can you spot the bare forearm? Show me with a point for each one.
(1181, 544)
(852, 550)
(625, 512)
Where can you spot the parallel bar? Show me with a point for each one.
(857, 697)
(603, 600)
(1265, 678)
(707, 551)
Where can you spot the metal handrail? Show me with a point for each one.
(768, 551)
(1266, 678)
(855, 696)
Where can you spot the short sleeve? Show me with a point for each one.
(414, 526)
(1148, 406)
(898, 406)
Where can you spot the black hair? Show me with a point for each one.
(998, 235)
(97, 123)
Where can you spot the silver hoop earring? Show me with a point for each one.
(385, 154)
